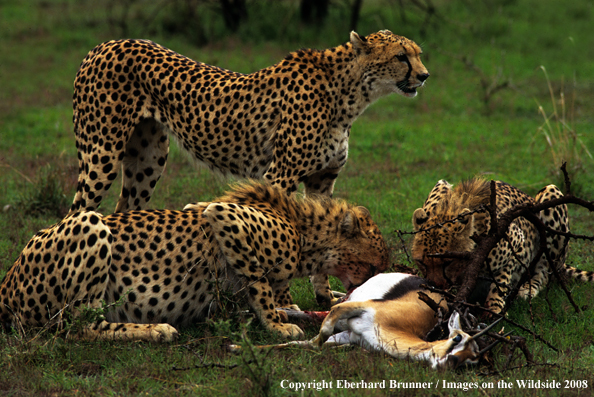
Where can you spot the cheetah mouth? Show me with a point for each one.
(405, 89)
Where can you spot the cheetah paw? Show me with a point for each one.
(163, 333)
(290, 331)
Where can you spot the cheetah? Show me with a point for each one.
(441, 226)
(288, 123)
(168, 267)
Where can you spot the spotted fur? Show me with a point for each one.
(287, 123)
(442, 226)
(170, 266)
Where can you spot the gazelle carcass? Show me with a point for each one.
(385, 314)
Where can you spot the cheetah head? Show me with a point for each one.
(440, 233)
(361, 251)
(390, 63)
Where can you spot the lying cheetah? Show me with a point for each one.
(170, 265)
(442, 227)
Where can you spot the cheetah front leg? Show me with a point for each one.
(283, 298)
(322, 183)
(234, 240)
(501, 264)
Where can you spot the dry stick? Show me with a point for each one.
(527, 365)
(454, 301)
(493, 208)
(430, 302)
(399, 234)
(210, 365)
(498, 230)
(487, 243)
(481, 208)
(521, 343)
(515, 341)
(566, 178)
(546, 297)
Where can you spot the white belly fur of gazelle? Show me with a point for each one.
(385, 314)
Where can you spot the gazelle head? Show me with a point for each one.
(460, 348)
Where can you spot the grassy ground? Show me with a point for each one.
(456, 128)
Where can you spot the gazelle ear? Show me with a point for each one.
(454, 323)
(419, 218)
(359, 43)
(349, 224)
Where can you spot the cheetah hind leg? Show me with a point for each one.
(72, 261)
(144, 161)
(105, 330)
(556, 218)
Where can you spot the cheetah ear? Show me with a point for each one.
(364, 211)
(464, 219)
(467, 222)
(349, 224)
(419, 218)
(360, 44)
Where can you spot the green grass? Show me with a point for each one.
(398, 150)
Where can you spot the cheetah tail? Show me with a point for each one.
(577, 274)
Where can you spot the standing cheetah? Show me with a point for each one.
(287, 123)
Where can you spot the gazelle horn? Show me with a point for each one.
(482, 332)
(492, 345)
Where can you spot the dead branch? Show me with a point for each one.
(498, 231)
(456, 304)
(430, 302)
(403, 245)
(210, 365)
(485, 243)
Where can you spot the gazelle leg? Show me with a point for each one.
(344, 310)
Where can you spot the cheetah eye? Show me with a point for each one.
(402, 57)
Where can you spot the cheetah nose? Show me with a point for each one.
(423, 76)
